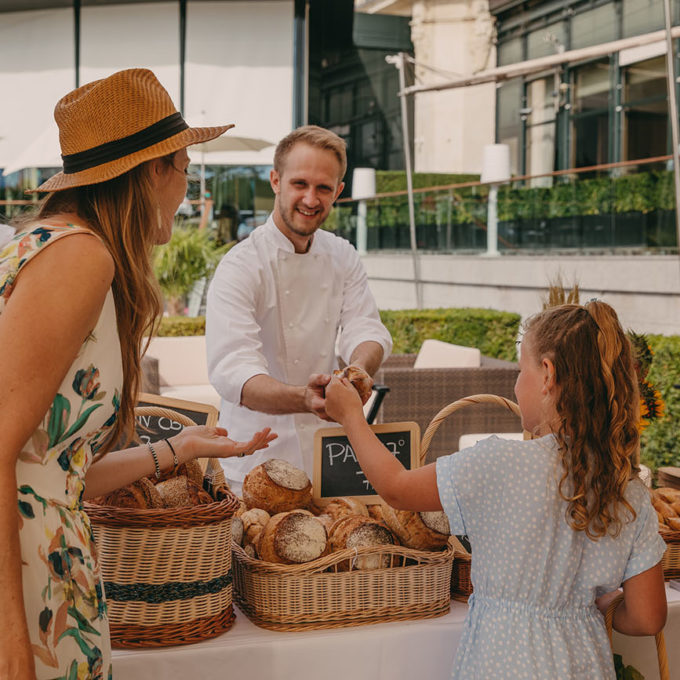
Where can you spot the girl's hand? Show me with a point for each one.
(201, 441)
(342, 400)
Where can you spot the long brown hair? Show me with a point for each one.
(123, 212)
(598, 409)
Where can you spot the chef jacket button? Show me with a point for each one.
(327, 320)
(296, 361)
(291, 324)
(287, 292)
(301, 426)
(324, 354)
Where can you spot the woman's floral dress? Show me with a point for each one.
(62, 587)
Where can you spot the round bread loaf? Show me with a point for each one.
(191, 470)
(292, 538)
(420, 531)
(254, 520)
(180, 491)
(140, 494)
(277, 486)
(668, 494)
(358, 531)
(674, 523)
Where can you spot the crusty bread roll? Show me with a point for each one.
(191, 470)
(358, 531)
(341, 506)
(292, 538)
(140, 494)
(181, 491)
(418, 530)
(375, 511)
(277, 486)
(673, 523)
(361, 381)
(254, 520)
(237, 530)
(676, 507)
(668, 494)
(663, 508)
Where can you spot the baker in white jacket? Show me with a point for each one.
(279, 302)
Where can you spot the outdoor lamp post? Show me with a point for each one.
(496, 171)
(363, 187)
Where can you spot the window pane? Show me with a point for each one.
(546, 41)
(642, 16)
(645, 124)
(510, 52)
(591, 87)
(540, 152)
(509, 100)
(594, 27)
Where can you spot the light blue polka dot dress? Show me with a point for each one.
(532, 614)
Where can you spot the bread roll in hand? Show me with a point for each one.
(362, 382)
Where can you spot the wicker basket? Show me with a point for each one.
(317, 595)
(671, 558)
(461, 583)
(167, 572)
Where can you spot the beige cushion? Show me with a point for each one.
(181, 360)
(438, 354)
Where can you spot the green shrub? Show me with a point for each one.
(493, 333)
(660, 444)
(173, 326)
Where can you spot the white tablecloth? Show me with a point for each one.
(408, 650)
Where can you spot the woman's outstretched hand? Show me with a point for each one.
(201, 441)
(342, 400)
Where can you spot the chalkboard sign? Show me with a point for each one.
(153, 428)
(336, 470)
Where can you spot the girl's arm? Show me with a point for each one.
(643, 610)
(56, 302)
(401, 488)
(119, 468)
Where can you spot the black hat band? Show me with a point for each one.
(112, 151)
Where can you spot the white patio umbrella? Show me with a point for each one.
(42, 152)
(227, 142)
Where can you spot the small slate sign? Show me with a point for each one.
(336, 469)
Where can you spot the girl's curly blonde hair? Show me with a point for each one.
(598, 409)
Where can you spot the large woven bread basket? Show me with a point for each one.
(671, 558)
(167, 572)
(318, 595)
(461, 582)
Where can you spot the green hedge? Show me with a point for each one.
(493, 333)
(661, 440)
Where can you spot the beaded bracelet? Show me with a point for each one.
(155, 460)
(174, 455)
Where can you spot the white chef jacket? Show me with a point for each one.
(276, 312)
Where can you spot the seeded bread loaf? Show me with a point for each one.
(358, 531)
(342, 506)
(277, 486)
(292, 538)
(418, 530)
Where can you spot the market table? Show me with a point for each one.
(407, 650)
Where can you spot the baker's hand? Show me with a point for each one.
(343, 401)
(201, 441)
(315, 399)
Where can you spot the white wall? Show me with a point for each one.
(452, 126)
(239, 69)
(644, 290)
(239, 66)
(36, 69)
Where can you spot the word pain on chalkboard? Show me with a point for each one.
(336, 469)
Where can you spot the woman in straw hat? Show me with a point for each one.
(73, 314)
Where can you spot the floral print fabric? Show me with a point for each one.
(63, 595)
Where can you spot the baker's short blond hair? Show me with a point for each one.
(317, 137)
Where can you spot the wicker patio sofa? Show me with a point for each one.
(418, 394)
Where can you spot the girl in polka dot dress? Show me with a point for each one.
(557, 523)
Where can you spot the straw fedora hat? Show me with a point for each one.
(109, 126)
